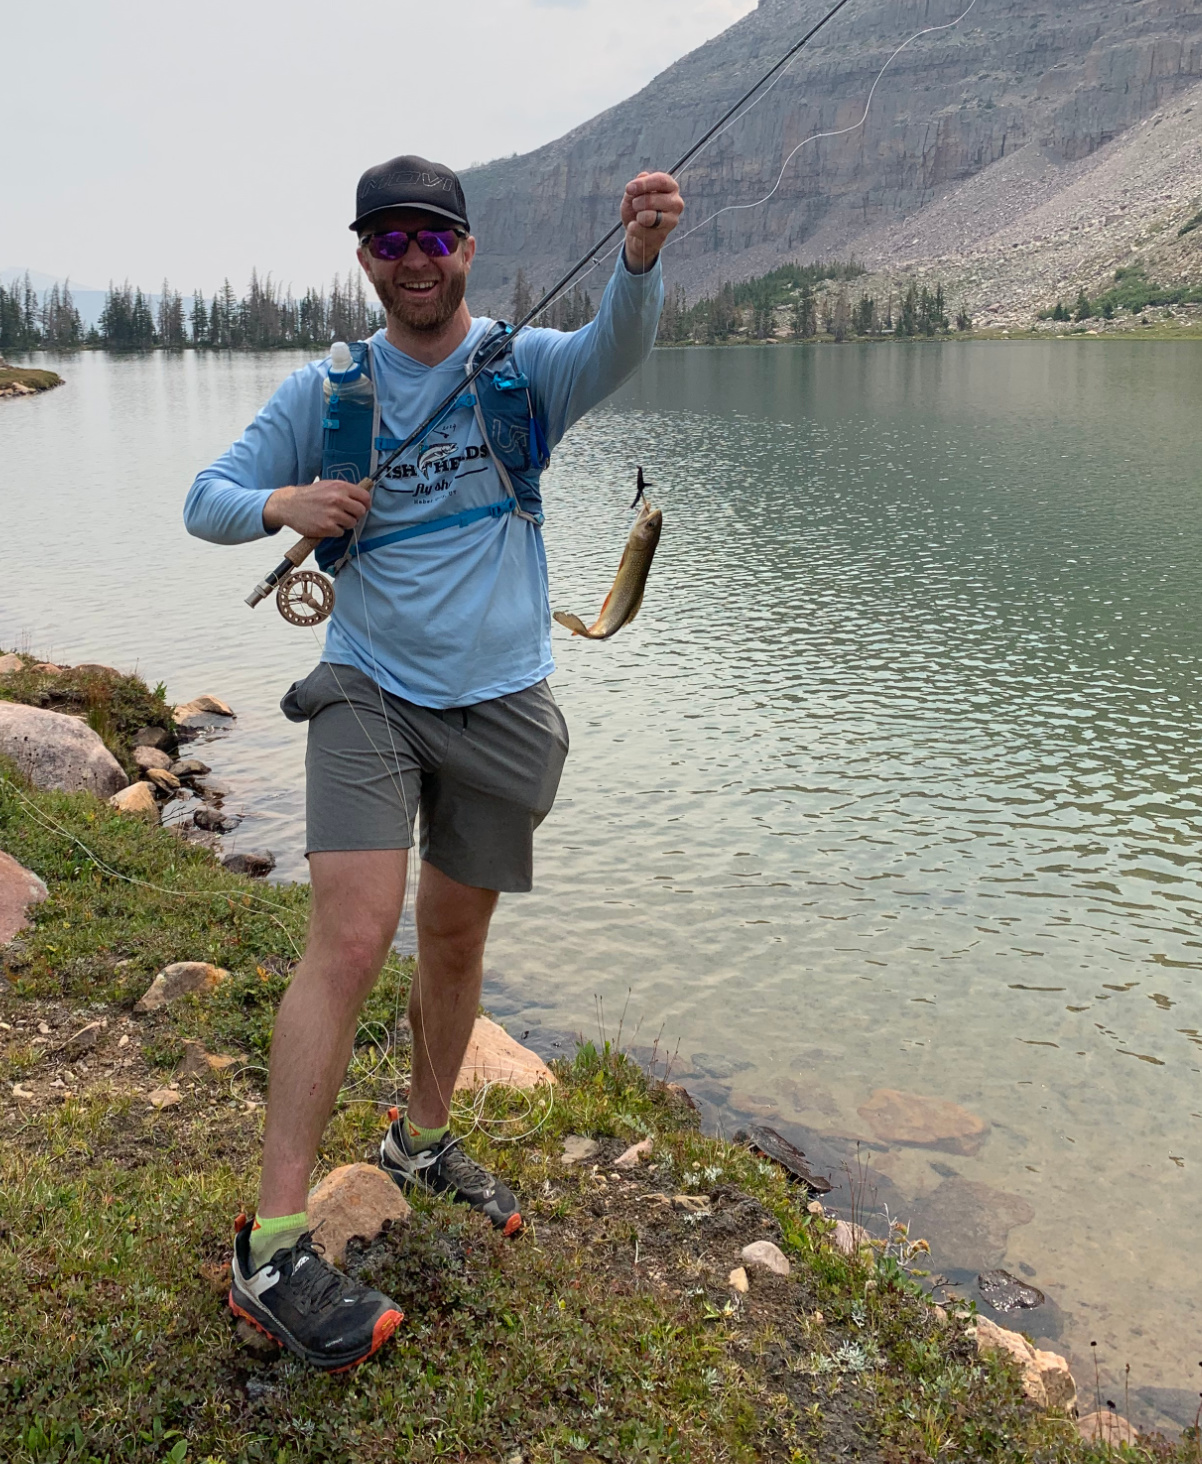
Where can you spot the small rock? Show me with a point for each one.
(10, 663)
(58, 752)
(1106, 1427)
(19, 889)
(815, 1208)
(940, 1314)
(681, 1094)
(152, 737)
(163, 1098)
(220, 1062)
(94, 668)
(164, 781)
(48, 668)
(84, 1040)
(256, 865)
(44, 1028)
(357, 1200)
(494, 1057)
(1007, 1293)
(215, 822)
(738, 1280)
(181, 978)
(629, 1158)
(213, 705)
(577, 1149)
(137, 801)
(764, 1253)
(719, 1067)
(21, 1093)
(151, 757)
(931, 1123)
(848, 1237)
(189, 767)
(211, 790)
(258, 1342)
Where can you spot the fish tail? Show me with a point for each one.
(573, 622)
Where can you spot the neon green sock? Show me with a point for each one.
(270, 1232)
(416, 1138)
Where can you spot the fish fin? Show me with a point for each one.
(573, 622)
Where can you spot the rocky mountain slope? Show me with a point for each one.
(1007, 123)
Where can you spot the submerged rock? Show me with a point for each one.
(968, 1222)
(58, 752)
(19, 889)
(1007, 1293)
(720, 1068)
(928, 1123)
(1107, 1427)
(355, 1201)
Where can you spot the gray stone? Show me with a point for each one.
(968, 1223)
(59, 752)
(152, 737)
(1006, 1293)
(215, 822)
(254, 864)
(164, 781)
(769, 1257)
(579, 1150)
(151, 757)
(189, 767)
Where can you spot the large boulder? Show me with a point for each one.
(59, 752)
(19, 888)
(355, 1201)
(10, 663)
(494, 1057)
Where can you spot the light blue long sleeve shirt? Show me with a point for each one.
(460, 615)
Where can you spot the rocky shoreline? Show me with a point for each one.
(25, 381)
(118, 1002)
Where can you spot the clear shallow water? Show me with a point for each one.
(892, 784)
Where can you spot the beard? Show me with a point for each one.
(419, 314)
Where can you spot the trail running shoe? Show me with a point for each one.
(444, 1169)
(308, 1306)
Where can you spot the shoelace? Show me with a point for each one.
(463, 1171)
(318, 1285)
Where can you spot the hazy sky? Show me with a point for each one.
(194, 142)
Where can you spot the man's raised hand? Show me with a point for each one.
(651, 209)
(319, 510)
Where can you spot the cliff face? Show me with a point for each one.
(1067, 79)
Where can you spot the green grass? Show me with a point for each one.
(605, 1332)
(29, 376)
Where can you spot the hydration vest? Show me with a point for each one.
(503, 405)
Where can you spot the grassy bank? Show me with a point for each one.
(27, 377)
(606, 1331)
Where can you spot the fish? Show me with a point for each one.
(437, 455)
(626, 593)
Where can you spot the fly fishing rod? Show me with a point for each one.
(301, 550)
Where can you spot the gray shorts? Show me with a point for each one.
(483, 776)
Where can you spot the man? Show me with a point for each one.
(431, 692)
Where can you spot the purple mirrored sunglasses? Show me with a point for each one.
(393, 244)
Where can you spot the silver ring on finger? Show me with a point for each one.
(659, 218)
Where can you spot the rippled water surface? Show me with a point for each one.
(892, 785)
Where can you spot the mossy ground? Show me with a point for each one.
(29, 376)
(605, 1331)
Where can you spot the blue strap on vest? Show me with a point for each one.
(515, 438)
(451, 521)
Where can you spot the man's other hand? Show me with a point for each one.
(318, 510)
(649, 197)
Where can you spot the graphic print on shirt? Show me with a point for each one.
(438, 467)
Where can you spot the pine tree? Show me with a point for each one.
(200, 320)
(523, 296)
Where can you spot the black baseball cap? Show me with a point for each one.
(410, 182)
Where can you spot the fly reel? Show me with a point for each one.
(305, 597)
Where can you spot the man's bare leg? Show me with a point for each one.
(452, 927)
(357, 897)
